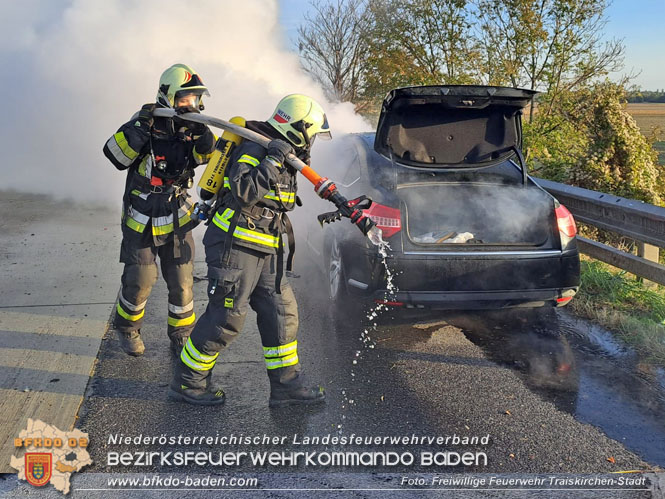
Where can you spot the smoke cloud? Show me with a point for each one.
(74, 72)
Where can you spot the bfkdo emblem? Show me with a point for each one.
(37, 468)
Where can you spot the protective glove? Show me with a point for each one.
(205, 143)
(198, 129)
(145, 115)
(279, 150)
(195, 128)
(303, 155)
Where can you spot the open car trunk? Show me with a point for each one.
(451, 126)
(454, 216)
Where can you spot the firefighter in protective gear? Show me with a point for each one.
(245, 257)
(160, 155)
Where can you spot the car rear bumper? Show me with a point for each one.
(468, 281)
(479, 300)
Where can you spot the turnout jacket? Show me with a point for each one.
(156, 203)
(256, 195)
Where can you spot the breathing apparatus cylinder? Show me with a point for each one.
(212, 179)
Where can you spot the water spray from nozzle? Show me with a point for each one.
(375, 235)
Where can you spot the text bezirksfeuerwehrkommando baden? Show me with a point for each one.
(285, 455)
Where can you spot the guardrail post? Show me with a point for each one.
(651, 253)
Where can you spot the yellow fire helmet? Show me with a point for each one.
(300, 119)
(178, 80)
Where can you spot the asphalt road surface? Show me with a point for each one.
(551, 394)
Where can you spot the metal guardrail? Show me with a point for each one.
(634, 219)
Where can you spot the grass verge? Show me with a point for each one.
(622, 304)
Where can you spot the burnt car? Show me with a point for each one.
(467, 226)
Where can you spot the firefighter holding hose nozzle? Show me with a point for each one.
(246, 260)
(159, 155)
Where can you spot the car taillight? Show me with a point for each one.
(565, 221)
(386, 218)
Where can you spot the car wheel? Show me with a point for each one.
(336, 274)
(345, 306)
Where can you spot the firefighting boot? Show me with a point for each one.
(190, 386)
(131, 342)
(287, 387)
(211, 395)
(297, 396)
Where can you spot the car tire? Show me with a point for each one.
(335, 273)
(344, 306)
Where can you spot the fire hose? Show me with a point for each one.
(323, 186)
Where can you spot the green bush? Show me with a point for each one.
(589, 140)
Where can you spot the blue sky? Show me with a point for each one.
(640, 23)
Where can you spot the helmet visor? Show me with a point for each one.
(324, 133)
(187, 99)
(196, 91)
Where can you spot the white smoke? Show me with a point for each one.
(74, 72)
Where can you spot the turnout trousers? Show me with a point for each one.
(140, 274)
(245, 278)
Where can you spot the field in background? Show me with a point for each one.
(650, 116)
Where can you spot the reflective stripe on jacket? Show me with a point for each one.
(256, 184)
(143, 204)
(161, 220)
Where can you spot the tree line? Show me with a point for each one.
(657, 96)
(360, 49)
(577, 131)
